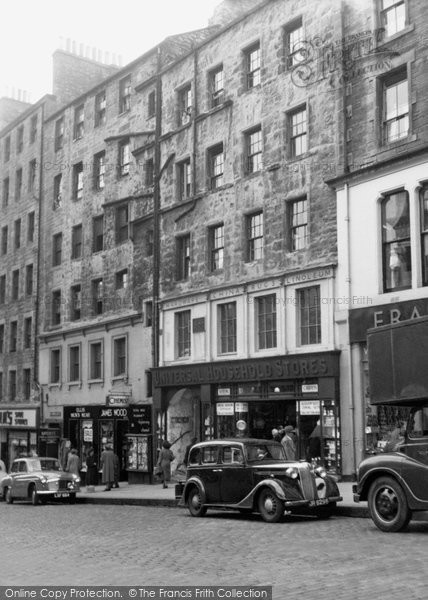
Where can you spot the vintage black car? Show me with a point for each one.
(39, 479)
(396, 483)
(253, 475)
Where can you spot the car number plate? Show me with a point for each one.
(320, 502)
(61, 495)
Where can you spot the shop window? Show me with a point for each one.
(183, 257)
(392, 16)
(216, 247)
(78, 181)
(297, 130)
(28, 326)
(76, 242)
(97, 234)
(121, 224)
(309, 315)
(59, 134)
(13, 336)
(125, 94)
(55, 365)
(32, 170)
(79, 122)
(57, 249)
(74, 363)
(56, 307)
(6, 191)
(253, 146)
(124, 158)
(395, 109)
(57, 195)
(266, 322)
(255, 237)
(100, 109)
(97, 296)
(298, 223)
(227, 327)
(119, 357)
(18, 185)
(76, 303)
(30, 227)
(216, 86)
(182, 334)
(253, 66)
(96, 360)
(26, 380)
(184, 100)
(215, 166)
(397, 264)
(424, 232)
(99, 170)
(184, 179)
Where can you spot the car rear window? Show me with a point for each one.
(195, 456)
(209, 455)
(419, 423)
(265, 452)
(232, 456)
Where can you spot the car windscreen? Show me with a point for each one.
(44, 464)
(265, 451)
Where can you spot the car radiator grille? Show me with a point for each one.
(308, 484)
(62, 485)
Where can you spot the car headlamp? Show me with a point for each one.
(43, 479)
(321, 472)
(292, 472)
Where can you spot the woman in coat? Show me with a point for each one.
(164, 462)
(107, 463)
(91, 470)
(73, 462)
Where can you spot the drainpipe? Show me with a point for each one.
(36, 343)
(156, 215)
(351, 369)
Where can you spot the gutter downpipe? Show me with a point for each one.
(156, 215)
(36, 344)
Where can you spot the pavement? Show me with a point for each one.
(155, 495)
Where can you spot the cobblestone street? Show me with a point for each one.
(126, 545)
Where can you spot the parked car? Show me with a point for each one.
(253, 475)
(3, 474)
(396, 483)
(39, 479)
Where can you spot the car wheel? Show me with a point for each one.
(388, 505)
(271, 507)
(194, 503)
(8, 495)
(72, 499)
(34, 496)
(325, 512)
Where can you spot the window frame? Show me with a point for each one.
(28, 332)
(182, 327)
(71, 367)
(57, 249)
(296, 136)
(99, 170)
(388, 81)
(26, 383)
(262, 331)
(56, 312)
(183, 245)
(78, 181)
(125, 94)
(227, 341)
(122, 224)
(217, 94)
(184, 179)
(31, 222)
(100, 109)
(76, 302)
(29, 279)
(59, 134)
(301, 326)
(386, 244)
(122, 279)
(94, 375)
(6, 191)
(77, 242)
(20, 139)
(382, 12)
(118, 360)
(97, 288)
(97, 234)
(253, 71)
(55, 368)
(255, 251)
(295, 225)
(17, 233)
(124, 158)
(184, 104)
(33, 129)
(15, 284)
(253, 150)
(13, 336)
(12, 388)
(215, 176)
(18, 184)
(289, 33)
(216, 251)
(79, 122)
(57, 191)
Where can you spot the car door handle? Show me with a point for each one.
(217, 470)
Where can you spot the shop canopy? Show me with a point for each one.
(398, 362)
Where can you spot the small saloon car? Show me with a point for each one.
(395, 484)
(252, 475)
(39, 480)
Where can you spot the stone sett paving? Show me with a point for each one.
(343, 558)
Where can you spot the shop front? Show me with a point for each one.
(126, 428)
(250, 398)
(19, 433)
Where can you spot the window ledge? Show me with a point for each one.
(76, 384)
(99, 382)
(54, 385)
(402, 142)
(396, 36)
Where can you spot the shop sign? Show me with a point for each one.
(18, 418)
(223, 391)
(308, 276)
(49, 435)
(88, 435)
(113, 413)
(176, 420)
(53, 414)
(118, 400)
(225, 408)
(310, 388)
(309, 407)
(241, 407)
(140, 418)
(81, 412)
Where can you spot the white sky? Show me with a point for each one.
(31, 32)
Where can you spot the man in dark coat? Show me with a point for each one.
(107, 463)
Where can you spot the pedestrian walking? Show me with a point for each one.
(164, 462)
(91, 470)
(288, 443)
(73, 462)
(107, 463)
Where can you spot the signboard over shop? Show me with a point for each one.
(325, 364)
(309, 407)
(19, 418)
